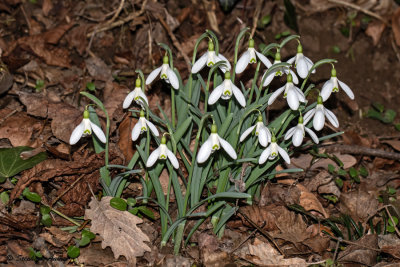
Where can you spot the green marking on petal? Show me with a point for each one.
(335, 89)
(163, 156)
(215, 147)
(143, 129)
(273, 154)
(210, 64)
(227, 93)
(253, 60)
(87, 131)
(164, 76)
(284, 95)
(278, 73)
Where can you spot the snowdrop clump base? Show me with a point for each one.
(221, 135)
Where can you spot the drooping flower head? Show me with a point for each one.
(332, 85)
(292, 94)
(279, 72)
(209, 59)
(167, 74)
(272, 151)
(249, 57)
(319, 113)
(214, 143)
(298, 132)
(163, 153)
(141, 127)
(302, 63)
(263, 133)
(225, 90)
(136, 96)
(85, 128)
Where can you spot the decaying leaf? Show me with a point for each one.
(375, 30)
(396, 25)
(360, 204)
(118, 229)
(390, 244)
(361, 255)
(263, 254)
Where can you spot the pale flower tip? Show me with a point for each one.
(98, 132)
(77, 134)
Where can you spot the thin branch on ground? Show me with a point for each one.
(256, 16)
(365, 151)
(66, 190)
(247, 238)
(358, 8)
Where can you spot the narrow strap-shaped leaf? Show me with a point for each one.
(288, 39)
(227, 213)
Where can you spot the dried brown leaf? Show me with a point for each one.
(359, 204)
(390, 244)
(310, 202)
(361, 255)
(263, 254)
(393, 143)
(118, 229)
(57, 237)
(47, 7)
(396, 25)
(98, 69)
(375, 30)
(125, 142)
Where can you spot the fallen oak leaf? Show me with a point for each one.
(118, 229)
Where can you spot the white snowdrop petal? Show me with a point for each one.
(172, 158)
(238, 95)
(284, 154)
(300, 94)
(264, 59)
(269, 78)
(128, 100)
(313, 136)
(332, 117)
(242, 62)
(153, 75)
(98, 132)
(221, 57)
(307, 117)
(77, 133)
(291, 60)
(228, 148)
(275, 95)
(346, 89)
(309, 64)
(319, 119)
(268, 134)
(302, 68)
(142, 95)
(292, 99)
(326, 90)
(200, 63)
(246, 133)
(136, 131)
(152, 127)
(263, 136)
(216, 94)
(294, 76)
(297, 137)
(153, 157)
(264, 155)
(290, 132)
(173, 79)
(204, 151)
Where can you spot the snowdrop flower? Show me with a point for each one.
(272, 151)
(85, 128)
(302, 63)
(225, 90)
(250, 57)
(167, 74)
(213, 143)
(162, 152)
(293, 94)
(279, 72)
(332, 85)
(136, 95)
(298, 132)
(141, 126)
(319, 113)
(210, 58)
(263, 133)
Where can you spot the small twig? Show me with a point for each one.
(8, 115)
(396, 51)
(256, 16)
(337, 247)
(353, 243)
(247, 238)
(108, 26)
(26, 17)
(66, 190)
(121, 5)
(391, 218)
(264, 233)
(358, 8)
(360, 150)
(174, 40)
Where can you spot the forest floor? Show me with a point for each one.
(344, 207)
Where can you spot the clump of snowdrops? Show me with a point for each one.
(219, 145)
